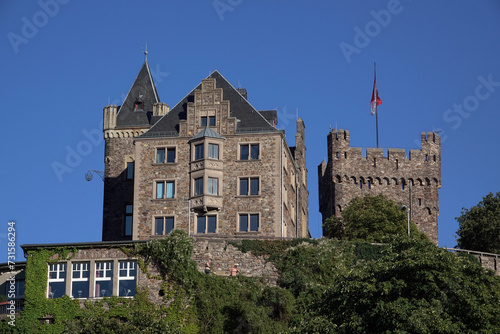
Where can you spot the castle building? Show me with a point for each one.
(212, 165)
(412, 180)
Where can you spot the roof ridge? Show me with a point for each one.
(242, 97)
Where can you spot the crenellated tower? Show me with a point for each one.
(411, 179)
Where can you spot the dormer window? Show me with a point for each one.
(139, 106)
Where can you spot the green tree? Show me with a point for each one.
(479, 227)
(370, 218)
(415, 287)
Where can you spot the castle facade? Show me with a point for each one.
(212, 165)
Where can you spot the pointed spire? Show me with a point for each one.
(140, 99)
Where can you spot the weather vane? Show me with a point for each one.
(145, 51)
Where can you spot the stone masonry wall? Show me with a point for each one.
(224, 256)
(118, 190)
(266, 204)
(413, 181)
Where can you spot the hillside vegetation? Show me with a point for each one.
(325, 286)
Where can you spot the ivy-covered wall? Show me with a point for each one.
(317, 278)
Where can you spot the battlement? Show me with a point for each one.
(411, 177)
(160, 109)
(109, 117)
(339, 148)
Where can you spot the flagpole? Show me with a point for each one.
(376, 104)
(376, 120)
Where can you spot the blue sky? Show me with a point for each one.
(438, 67)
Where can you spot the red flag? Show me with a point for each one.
(375, 97)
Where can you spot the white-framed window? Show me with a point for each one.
(164, 225)
(213, 185)
(165, 189)
(199, 151)
(249, 222)
(57, 280)
(165, 155)
(103, 279)
(206, 224)
(213, 151)
(127, 278)
(80, 275)
(198, 186)
(249, 186)
(129, 210)
(249, 151)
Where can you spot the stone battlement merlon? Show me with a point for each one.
(339, 147)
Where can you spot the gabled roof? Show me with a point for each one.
(207, 132)
(250, 120)
(143, 89)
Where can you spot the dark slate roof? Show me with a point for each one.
(270, 115)
(207, 132)
(251, 120)
(143, 89)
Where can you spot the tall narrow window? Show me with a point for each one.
(127, 277)
(103, 279)
(211, 120)
(171, 155)
(164, 225)
(160, 155)
(80, 280)
(203, 120)
(198, 152)
(130, 170)
(213, 151)
(254, 151)
(206, 224)
(198, 186)
(244, 152)
(128, 219)
(213, 186)
(57, 280)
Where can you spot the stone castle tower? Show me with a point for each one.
(212, 165)
(412, 180)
